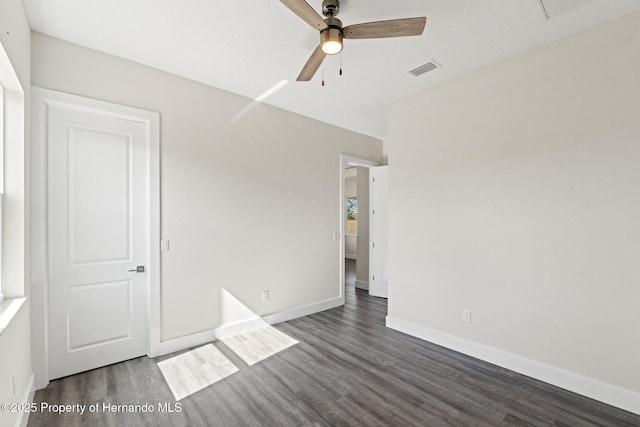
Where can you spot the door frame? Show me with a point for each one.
(41, 99)
(356, 161)
(375, 264)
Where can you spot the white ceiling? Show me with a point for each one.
(249, 46)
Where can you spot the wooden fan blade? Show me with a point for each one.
(382, 29)
(312, 65)
(306, 12)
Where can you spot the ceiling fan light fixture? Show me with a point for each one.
(331, 47)
(331, 39)
(332, 32)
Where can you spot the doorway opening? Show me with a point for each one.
(354, 223)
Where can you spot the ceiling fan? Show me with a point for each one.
(332, 32)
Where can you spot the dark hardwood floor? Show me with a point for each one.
(348, 369)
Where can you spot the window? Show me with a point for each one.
(1, 193)
(12, 201)
(352, 216)
(1, 248)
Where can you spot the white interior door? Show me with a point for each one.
(378, 232)
(98, 203)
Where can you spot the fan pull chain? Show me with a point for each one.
(340, 63)
(323, 75)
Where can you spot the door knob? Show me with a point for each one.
(139, 269)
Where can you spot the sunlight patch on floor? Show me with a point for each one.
(196, 369)
(243, 332)
(258, 344)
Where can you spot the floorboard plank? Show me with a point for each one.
(348, 369)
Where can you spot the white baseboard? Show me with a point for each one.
(221, 332)
(594, 389)
(361, 284)
(29, 393)
(305, 310)
(199, 338)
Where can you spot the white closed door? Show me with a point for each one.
(98, 231)
(378, 232)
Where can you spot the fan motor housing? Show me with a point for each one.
(330, 8)
(332, 34)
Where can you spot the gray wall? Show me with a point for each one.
(362, 266)
(514, 192)
(249, 202)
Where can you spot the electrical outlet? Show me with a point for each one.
(164, 245)
(265, 296)
(466, 316)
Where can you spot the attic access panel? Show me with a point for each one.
(553, 8)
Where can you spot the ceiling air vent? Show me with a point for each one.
(432, 65)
